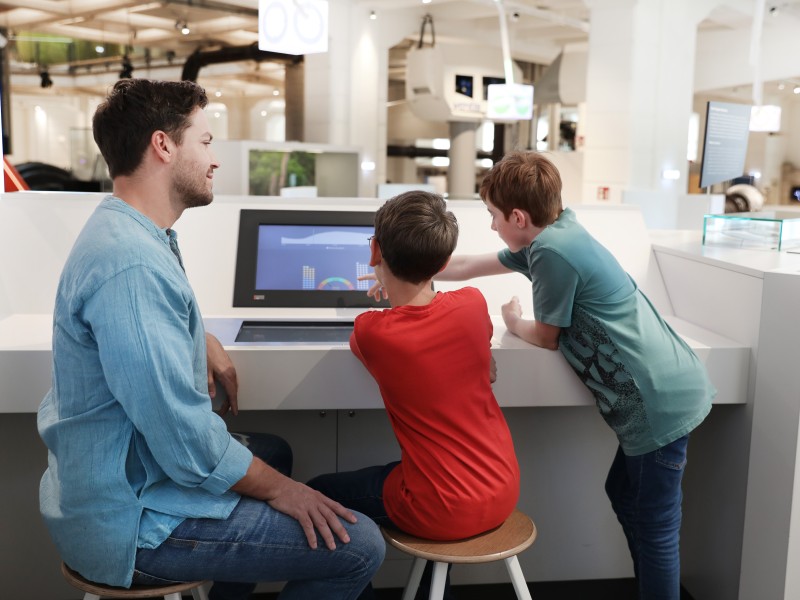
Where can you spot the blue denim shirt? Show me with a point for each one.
(134, 447)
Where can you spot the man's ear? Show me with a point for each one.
(375, 256)
(163, 145)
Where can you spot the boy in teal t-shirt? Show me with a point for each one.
(649, 386)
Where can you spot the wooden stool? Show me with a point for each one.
(505, 542)
(95, 591)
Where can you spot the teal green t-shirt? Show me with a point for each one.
(649, 385)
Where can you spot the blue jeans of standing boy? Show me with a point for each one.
(258, 543)
(645, 493)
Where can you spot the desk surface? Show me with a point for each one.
(327, 376)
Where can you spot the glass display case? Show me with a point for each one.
(768, 230)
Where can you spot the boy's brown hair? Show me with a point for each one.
(416, 235)
(527, 181)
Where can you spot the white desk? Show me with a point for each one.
(329, 408)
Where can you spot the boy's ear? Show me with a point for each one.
(375, 256)
(519, 218)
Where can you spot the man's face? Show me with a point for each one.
(193, 174)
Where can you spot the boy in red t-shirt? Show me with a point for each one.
(430, 355)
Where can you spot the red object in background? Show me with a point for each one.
(12, 179)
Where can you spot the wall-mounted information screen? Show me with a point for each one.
(299, 258)
(725, 142)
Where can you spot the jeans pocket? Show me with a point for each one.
(673, 455)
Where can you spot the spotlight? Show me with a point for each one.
(127, 68)
(372, 15)
(183, 27)
(46, 81)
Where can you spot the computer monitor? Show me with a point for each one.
(303, 259)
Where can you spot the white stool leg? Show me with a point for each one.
(414, 578)
(438, 580)
(89, 596)
(174, 596)
(200, 593)
(517, 578)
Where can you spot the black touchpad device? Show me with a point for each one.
(295, 332)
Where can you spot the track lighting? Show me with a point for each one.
(127, 68)
(46, 81)
(183, 27)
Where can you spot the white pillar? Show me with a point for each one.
(461, 172)
(639, 89)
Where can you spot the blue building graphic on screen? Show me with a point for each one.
(312, 257)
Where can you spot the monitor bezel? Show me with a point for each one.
(245, 294)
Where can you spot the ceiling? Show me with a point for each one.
(150, 34)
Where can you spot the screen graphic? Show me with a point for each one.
(312, 257)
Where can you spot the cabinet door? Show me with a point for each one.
(310, 433)
(365, 439)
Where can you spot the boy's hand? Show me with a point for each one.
(492, 371)
(376, 290)
(512, 312)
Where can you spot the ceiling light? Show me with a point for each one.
(276, 93)
(99, 48)
(426, 1)
(183, 27)
(372, 15)
(218, 93)
(796, 89)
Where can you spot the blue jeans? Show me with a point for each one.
(645, 493)
(258, 543)
(362, 490)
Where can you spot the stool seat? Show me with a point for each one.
(99, 590)
(516, 534)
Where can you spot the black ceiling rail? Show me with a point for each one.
(201, 58)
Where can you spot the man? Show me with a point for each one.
(144, 483)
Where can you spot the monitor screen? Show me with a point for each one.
(303, 258)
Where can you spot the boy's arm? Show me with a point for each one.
(468, 266)
(533, 332)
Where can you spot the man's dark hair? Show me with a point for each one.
(416, 234)
(125, 121)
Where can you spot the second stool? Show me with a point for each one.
(503, 543)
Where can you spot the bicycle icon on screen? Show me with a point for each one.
(286, 25)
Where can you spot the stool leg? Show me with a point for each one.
(517, 578)
(438, 580)
(89, 596)
(414, 578)
(200, 593)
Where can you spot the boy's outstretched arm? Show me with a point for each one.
(533, 332)
(467, 266)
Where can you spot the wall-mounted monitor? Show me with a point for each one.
(303, 259)
(724, 142)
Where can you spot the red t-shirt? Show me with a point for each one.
(458, 474)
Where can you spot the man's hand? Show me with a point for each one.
(376, 290)
(314, 511)
(221, 369)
